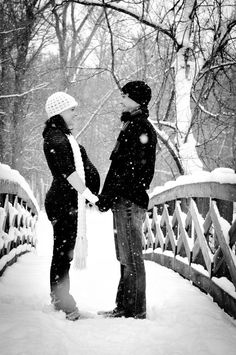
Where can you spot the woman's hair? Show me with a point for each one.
(56, 121)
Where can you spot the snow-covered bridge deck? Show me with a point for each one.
(181, 319)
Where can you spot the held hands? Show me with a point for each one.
(88, 195)
(104, 203)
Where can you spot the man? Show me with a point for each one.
(124, 191)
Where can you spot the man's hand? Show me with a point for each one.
(104, 203)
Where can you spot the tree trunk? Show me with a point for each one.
(184, 75)
(185, 71)
(234, 144)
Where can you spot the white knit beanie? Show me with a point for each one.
(59, 102)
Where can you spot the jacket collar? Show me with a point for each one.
(138, 112)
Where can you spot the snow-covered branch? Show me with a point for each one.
(168, 124)
(164, 138)
(10, 31)
(39, 87)
(213, 67)
(202, 108)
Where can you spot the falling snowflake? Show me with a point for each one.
(143, 138)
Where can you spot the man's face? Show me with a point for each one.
(127, 103)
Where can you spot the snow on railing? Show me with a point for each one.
(18, 215)
(187, 229)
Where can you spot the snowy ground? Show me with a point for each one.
(181, 319)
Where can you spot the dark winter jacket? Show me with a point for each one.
(132, 162)
(61, 198)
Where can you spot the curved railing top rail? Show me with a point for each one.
(219, 184)
(11, 182)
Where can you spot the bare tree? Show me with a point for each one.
(75, 30)
(20, 23)
(201, 34)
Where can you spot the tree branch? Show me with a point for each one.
(39, 87)
(203, 72)
(202, 107)
(129, 13)
(164, 138)
(112, 48)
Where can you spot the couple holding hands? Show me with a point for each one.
(76, 182)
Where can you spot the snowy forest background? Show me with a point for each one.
(185, 51)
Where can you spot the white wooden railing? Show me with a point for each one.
(18, 216)
(187, 230)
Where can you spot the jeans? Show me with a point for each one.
(131, 293)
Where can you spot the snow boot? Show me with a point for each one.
(115, 313)
(74, 315)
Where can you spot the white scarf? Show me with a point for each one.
(81, 244)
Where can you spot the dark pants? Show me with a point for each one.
(65, 231)
(131, 293)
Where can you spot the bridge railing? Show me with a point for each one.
(186, 229)
(18, 216)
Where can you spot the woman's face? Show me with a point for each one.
(69, 116)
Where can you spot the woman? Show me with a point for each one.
(75, 181)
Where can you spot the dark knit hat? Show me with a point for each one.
(138, 91)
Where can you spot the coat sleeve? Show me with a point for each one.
(92, 178)
(59, 154)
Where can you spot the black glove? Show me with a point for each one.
(104, 203)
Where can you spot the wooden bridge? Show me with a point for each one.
(186, 229)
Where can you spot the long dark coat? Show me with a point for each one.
(61, 199)
(132, 162)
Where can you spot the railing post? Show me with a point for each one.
(203, 204)
(225, 209)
